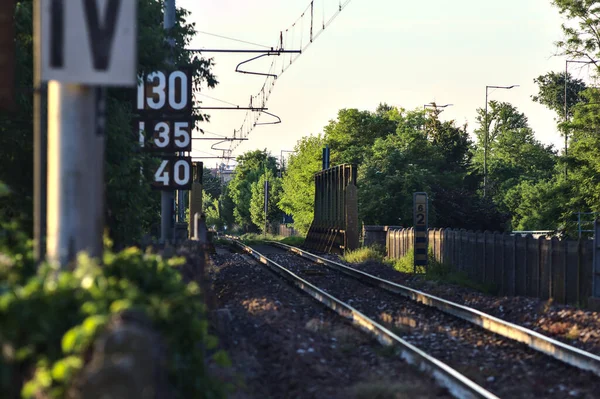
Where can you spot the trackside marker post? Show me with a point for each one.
(84, 45)
(420, 218)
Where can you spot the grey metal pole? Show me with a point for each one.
(75, 216)
(266, 205)
(485, 144)
(566, 116)
(167, 197)
(40, 143)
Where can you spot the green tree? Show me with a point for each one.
(398, 165)
(581, 37)
(251, 166)
(584, 154)
(226, 208)
(427, 155)
(539, 205)
(551, 92)
(351, 136)
(514, 155)
(257, 202)
(212, 210)
(211, 183)
(298, 185)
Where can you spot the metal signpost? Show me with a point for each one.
(420, 218)
(596, 261)
(164, 104)
(266, 205)
(80, 47)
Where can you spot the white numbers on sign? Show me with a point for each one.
(158, 90)
(181, 166)
(182, 78)
(182, 135)
(173, 173)
(162, 128)
(162, 175)
(163, 91)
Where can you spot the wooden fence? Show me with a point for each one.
(514, 264)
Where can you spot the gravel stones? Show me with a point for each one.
(507, 368)
(284, 344)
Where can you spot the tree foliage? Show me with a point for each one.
(251, 165)
(514, 154)
(581, 35)
(257, 201)
(584, 154)
(351, 136)
(211, 183)
(551, 92)
(298, 185)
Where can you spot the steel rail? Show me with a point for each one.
(457, 384)
(559, 350)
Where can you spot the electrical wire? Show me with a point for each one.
(267, 87)
(216, 99)
(233, 39)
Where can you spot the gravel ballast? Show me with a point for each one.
(283, 344)
(508, 369)
(574, 326)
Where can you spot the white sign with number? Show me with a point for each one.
(165, 92)
(173, 174)
(165, 136)
(92, 42)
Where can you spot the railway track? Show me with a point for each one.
(465, 353)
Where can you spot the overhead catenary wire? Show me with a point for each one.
(233, 39)
(216, 99)
(263, 94)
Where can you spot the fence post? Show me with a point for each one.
(596, 261)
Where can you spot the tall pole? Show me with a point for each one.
(266, 205)
(167, 197)
(75, 173)
(566, 117)
(75, 167)
(485, 144)
(40, 142)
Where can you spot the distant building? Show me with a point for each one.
(224, 172)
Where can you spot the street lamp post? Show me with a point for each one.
(486, 138)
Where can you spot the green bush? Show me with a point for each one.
(364, 254)
(437, 271)
(49, 321)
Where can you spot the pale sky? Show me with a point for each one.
(404, 53)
